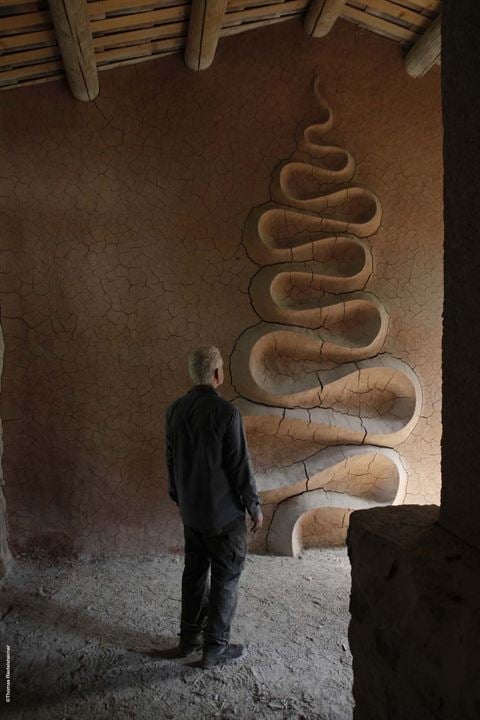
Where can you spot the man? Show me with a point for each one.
(210, 478)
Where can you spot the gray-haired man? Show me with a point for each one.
(210, 478)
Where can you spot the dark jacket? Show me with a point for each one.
(209, 471)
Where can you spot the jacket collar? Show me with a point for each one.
(203, 388)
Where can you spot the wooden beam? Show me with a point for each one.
(206, 20)
(321, 16)
(74, 38)
(426, 51)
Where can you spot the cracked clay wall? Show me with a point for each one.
(121, 238)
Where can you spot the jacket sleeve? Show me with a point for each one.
(237, 463)
(172, 488)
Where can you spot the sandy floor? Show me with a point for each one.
(79, 634)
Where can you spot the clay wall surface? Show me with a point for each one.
(122, 225)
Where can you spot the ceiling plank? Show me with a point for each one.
(372, 22)
(426, 51)
(206, 19)
(10, 42)
(72, 28)
(241, 4)
(30, 71)
(243, 27)
(152, 33)
(26, 56)
(135, 60)
(143, 49)
(100, 8)
(434, 5)
(11, 3)
(271, 11)
(409, 17)
(24, 20)
(155, 17)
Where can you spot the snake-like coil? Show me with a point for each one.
(313, 366)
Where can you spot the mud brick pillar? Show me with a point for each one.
(415, 602)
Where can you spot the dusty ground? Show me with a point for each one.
(79, 634)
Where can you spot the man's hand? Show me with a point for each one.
(257, 521)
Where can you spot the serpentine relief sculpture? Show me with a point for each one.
(312, 369)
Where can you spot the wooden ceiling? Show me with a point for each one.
(131, 31)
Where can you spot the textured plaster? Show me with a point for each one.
(323, 364)
(121, 238)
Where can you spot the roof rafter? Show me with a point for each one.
(426, 51)
(74, 37)
(206, 20)
(322, 16)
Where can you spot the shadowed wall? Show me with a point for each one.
(415, 625)
(121, 230)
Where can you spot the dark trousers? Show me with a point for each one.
(224, 555)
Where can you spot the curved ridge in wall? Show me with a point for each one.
(313, 368)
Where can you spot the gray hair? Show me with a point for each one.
(202, 363)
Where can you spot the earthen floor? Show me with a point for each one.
(80, 634)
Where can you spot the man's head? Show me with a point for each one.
(205, 366)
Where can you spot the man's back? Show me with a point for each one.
(209, 469)
(211, 480)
